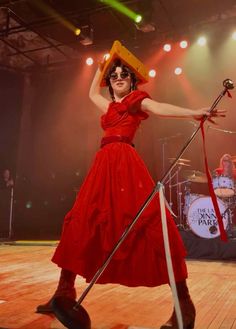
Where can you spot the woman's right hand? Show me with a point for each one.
(204, 112)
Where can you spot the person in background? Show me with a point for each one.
(224, 183)
(226, 167)
(6, 179)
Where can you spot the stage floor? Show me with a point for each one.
(28, 278)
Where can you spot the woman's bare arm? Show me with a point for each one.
(169, 110)
(95, 93)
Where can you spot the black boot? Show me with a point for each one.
(65, 288)
(187, 309)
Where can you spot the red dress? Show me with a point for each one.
(116, 186)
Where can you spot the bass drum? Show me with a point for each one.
(188, 200)
(202, 219)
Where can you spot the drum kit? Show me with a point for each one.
(196, 211)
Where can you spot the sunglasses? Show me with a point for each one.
(123, 75)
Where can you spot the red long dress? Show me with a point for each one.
(116, 186)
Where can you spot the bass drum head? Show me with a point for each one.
(202, 219)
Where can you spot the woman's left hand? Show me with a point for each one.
(204, 112)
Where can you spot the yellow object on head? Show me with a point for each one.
(120, 52)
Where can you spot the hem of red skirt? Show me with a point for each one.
(182, 275)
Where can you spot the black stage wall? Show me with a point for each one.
(212, 249)
(11, 86)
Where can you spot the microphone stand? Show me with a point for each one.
(71, 313)
(11, 213)
(164, 141)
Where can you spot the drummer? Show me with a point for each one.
(226, 167)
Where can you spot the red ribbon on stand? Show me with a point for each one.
(228, 93)
(223, 235)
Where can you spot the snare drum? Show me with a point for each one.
(202, 219)
(223, 186)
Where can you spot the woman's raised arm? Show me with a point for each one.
(95, 93)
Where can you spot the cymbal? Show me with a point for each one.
(195, 176)
(181, 160)
(183, 164)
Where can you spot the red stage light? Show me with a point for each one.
(152, 73)
(89, 61)
(167, 47)
(178, 70)
(183, 44)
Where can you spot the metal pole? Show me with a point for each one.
(11, 213)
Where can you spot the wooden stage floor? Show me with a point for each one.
(28, 278)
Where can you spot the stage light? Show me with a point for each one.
(234, 35)
(183, 44)
(202, 41)
(123, 9)
(86, 35)
(28, 204)
(51, 12)
(89, 61)
(106, 56)
(152, 73)
(167, 47)
(138, 19)
(178, 70)
(77, 32)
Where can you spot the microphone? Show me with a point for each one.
(228, 84)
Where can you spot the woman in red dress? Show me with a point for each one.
(115, 188)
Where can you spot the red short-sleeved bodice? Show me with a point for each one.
(116, 186)
(220, 172)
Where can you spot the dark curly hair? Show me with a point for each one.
(119, 63)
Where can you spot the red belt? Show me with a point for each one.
(114, 139)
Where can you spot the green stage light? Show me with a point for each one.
(123, 9)
(138, 19)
